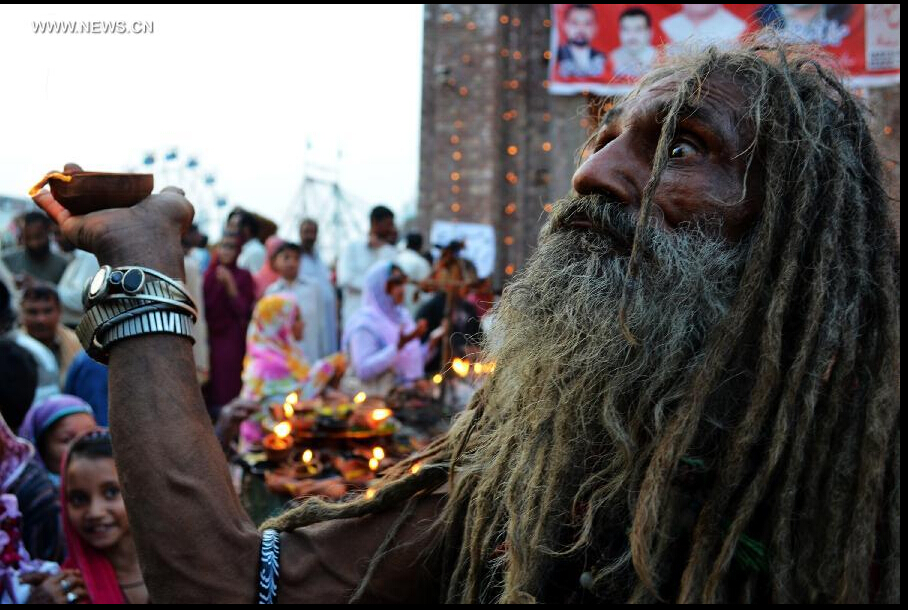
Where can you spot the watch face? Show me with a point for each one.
(133, 280)
(98, 281)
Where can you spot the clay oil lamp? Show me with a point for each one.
(84, 192)
(279, 443)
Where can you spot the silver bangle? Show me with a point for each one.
(131, 282)
(124, 302)
(148, 323)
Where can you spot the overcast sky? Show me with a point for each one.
(240, 88)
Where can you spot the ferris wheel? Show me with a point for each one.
(200, 185)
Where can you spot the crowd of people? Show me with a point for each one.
(272, 319)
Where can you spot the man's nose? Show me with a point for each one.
(616, 171)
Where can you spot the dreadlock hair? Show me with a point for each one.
(798, 495)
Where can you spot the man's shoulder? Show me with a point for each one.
(67, 334)
(14, 256)
(355, 248)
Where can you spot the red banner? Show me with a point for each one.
(604, 48)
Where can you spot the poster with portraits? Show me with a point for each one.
(605, 48)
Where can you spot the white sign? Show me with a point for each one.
(883, 36)
(479, 242)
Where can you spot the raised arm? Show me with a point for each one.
(195, 542)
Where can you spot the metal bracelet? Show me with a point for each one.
(131, 281)
(155, 321)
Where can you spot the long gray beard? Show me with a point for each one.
(566, 372)
(562, 310)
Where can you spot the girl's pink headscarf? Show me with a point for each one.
(98, 573)
(266, 276)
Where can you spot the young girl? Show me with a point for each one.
(98, 537)
(52, 424)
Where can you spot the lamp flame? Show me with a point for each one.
(380, 414)
(283, 429)
(373, 464)
(288, 410)
(378, 453)
(307, 456)
(292, 398)
(360, 398)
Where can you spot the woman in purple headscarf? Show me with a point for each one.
(52, 424)
(381, 339)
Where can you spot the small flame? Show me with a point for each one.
(283, 429)
(360, 398)
(438, 379)
(380, 414)
(292, 398)
(373, 464)
(370, 493)
(288, 410)
(378, 453)
(415, 468)
(307, 456)
(461, 367)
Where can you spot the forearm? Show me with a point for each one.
(195, 542)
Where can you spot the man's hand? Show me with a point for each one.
(147, 234)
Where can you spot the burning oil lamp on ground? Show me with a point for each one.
(279, 443)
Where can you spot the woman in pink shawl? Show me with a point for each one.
(229, 298)
(275, 364)
(98, 537)
(267, 275)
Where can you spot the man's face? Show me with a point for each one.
(634, 33)
(41, 317)
(705, 173)
(385, 229)
(36, 240)
(580, 27)
(308, 236)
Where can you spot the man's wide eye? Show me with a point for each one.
(681, 150)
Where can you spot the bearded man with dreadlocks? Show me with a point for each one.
(695, 399)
